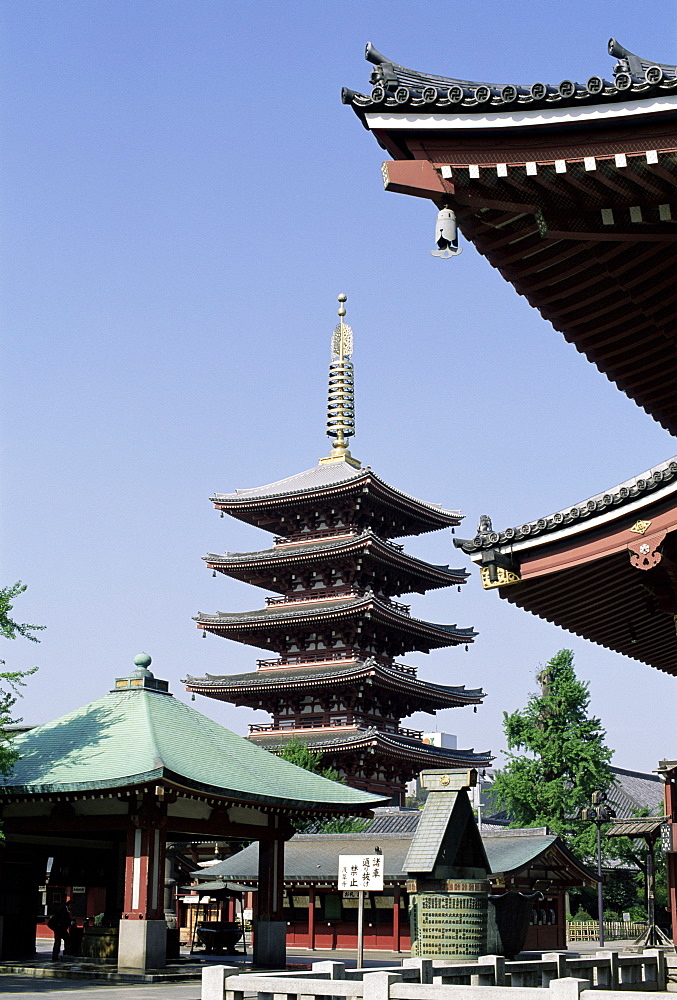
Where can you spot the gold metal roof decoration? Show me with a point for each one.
(341, 396)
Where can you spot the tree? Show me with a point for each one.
(297, 752)
(11, 681)
(566, 758)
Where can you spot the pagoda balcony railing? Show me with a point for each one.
(403, 668)
(271, 727)
(394, 545)
(329, 656)
(306, 596)
(311, 656)
(333, 593)
(314, 535)
(414, 734)
(404, 608)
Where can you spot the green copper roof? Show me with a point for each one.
(132, 736)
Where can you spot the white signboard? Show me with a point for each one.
(361, 872)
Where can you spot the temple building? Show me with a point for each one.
(95, 795)
(320, 917)
(334, 632)
(570, 191)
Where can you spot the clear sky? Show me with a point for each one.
(184, 196)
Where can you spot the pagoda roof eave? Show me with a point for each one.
(292, 614)
(330, 479)
(401, 91)
(311, 551)
(392, 743)
(280, 678)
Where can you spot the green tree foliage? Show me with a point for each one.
(297, 752)
(11, 681)
(563, 757)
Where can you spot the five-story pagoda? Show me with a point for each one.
(334, 628)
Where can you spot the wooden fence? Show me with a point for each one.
(614, 930)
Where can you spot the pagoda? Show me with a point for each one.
(333, 632)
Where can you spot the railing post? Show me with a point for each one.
(214, 982)
(336, 970)
(498, 976)
(661, 967)
(377, 985)
(560, 970)
(608, 977)
(425, 967)
(568, 988)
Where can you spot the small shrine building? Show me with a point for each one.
(334, 632)
(95, 795)
(320, 917)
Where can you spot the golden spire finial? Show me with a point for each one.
(341, 400)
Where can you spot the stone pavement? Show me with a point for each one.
(64, 989)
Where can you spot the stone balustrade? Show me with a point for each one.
(605, 973)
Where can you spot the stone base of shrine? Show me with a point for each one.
(142, 944)
(270, 943)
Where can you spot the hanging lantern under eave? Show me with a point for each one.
(446, 234)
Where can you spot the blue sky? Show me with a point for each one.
(184, 198)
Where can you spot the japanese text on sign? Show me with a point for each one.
(362, 872)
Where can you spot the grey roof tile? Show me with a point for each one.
(401, 90)
(661, 477)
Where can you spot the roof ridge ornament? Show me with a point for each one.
(341, 394)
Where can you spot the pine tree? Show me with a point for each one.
(564, 757)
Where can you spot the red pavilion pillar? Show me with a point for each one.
(671, 856)
(143, 928)
(396, 919)
(311, 918)
(270, 928)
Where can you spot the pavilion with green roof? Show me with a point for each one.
(101, 789)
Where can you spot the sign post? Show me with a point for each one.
(364, 873)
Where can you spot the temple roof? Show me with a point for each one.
(568, 190)
(327, 481)
(351, 738)
(396, 88)
(135, 735)
(260, 624)
(312, 857)
(629, 496)
(605, 569)
(330, 675)
(331, 549)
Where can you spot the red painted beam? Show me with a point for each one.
(415, 177)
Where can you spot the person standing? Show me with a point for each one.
(60, 923)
